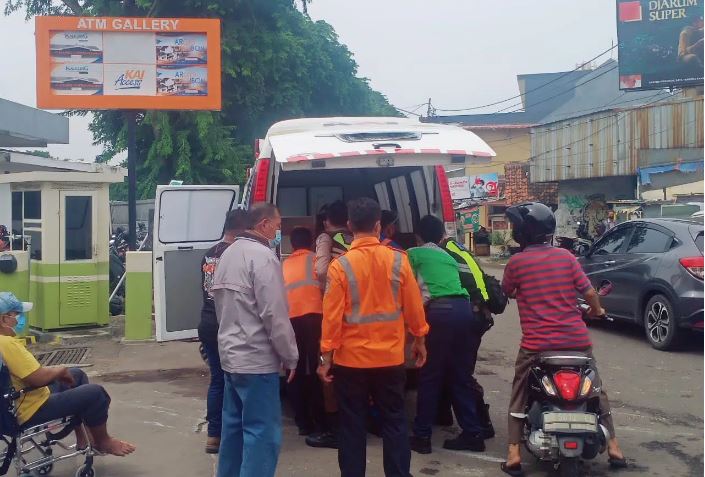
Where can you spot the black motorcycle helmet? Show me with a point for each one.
(532, 223)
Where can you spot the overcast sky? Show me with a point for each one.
(460, 53)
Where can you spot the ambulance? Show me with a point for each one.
(301, 165)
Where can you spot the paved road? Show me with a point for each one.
(657, 401)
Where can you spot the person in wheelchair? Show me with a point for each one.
(56, 392)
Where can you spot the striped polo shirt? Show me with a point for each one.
(546, 280)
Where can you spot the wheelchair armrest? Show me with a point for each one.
(15, 395)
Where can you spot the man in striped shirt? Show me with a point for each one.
(545, 281)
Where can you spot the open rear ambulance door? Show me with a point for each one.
(188, 220)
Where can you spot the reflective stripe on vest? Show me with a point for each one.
(309, 278)
(341, 240)
(355, 317)
(470, 266)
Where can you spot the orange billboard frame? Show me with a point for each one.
(46, 99)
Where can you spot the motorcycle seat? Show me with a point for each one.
(564, 358)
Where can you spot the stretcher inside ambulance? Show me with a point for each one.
(303, 164)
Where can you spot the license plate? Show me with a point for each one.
(569, 422)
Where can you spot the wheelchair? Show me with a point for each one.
(31, 449)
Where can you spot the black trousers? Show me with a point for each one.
(305, 392)
(445, 402)
(452, 344)
(353, 387)
(89, 402)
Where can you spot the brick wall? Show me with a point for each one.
(517, 187)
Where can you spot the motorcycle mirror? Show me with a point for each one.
(605, 288)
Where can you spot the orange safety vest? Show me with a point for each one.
(303, 290)
(371, 299)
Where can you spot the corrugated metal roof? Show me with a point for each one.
(608, 143)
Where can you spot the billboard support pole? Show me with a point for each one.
(131, 120)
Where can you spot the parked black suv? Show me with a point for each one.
(655, 267)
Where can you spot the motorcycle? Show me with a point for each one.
(562, 418)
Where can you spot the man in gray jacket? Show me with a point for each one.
(255, 339)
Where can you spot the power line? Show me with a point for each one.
(591, 119)
(593, 134)
(558, 78)
(558, 94)
(618, 119)
(407, 112)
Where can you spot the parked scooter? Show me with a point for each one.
(562, 418)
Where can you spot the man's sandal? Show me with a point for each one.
(617, 463)
(513, 470)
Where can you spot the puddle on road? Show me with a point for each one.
(189, 382)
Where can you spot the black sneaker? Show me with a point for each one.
(326, 440)
(468, 442)
(305, 431)
(421, 445)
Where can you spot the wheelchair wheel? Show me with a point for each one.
(85, 471)
(45, 469)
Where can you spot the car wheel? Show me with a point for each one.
(660, 323)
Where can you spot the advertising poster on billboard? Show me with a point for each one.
(478, 187)
(660, 43)
(128, 63)
(185, 81)
(484, 186)
(459, 188)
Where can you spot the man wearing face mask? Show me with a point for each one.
(255, 339)
(57, 391)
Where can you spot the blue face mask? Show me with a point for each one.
(277, 239)
(21, 325)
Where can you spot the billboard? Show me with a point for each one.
(660, 43)
(478, 187)
(128, 63)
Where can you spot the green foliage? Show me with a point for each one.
(501, 238)
(277, 64)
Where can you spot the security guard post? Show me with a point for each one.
(306, 312)
(371, 299)
(452, 338)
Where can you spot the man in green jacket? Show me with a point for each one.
(454, 331)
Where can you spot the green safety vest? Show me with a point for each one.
(470, 266)
(340, 239)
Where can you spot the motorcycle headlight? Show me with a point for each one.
(548, 386)
(587, 386)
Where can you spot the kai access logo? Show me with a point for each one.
(130, 79)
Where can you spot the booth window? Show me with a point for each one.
(27, 220)
(79, 228)
(32, 205)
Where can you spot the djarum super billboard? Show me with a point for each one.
(660, 43)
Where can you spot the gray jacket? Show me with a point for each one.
(255, 335)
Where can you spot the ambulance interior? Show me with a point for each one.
(411, 191)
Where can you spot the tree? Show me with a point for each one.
(277, 64)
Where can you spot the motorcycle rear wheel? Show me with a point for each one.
(569, 467)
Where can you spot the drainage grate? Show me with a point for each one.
(64, 356)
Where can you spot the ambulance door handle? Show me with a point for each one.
(380, 145)
(159, 259)
(186, 247)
